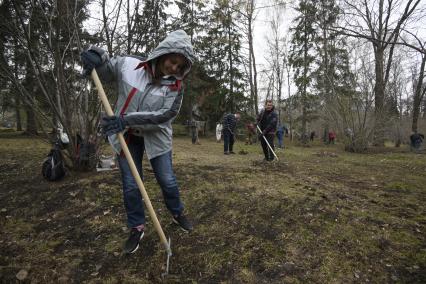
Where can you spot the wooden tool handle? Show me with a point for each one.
(132, 165)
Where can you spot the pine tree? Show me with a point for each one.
(151, 25)
(333, 78)
(222, 58)
(302, 60)
(192, 18)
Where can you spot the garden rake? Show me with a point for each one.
(135, 173)
(270, 148)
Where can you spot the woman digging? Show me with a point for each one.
(149, 98)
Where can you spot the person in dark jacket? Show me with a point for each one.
(312, 136)
(267, 121)
(194, 131)
(416, 140)
(280, 136)
(229, 126)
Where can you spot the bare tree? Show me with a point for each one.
(352, 111)
(395, 88)
(418, 80)
(110, 20)
(48, 83)
(120, 22)
(290, 105)
(302, 59)
(249, 11)
(277, 56)
(380, 23)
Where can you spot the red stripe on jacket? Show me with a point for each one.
(129, 98)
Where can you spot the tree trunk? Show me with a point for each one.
(18, 112)
(256, 96)
(418, 95)
(280, 84)
(290, 105)
(250, 42)
(231, 67)
(304, 94)
(424, 109)
(31, 128)
(379, 97)
(17, 93)
(252, 60)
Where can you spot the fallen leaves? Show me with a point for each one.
(22, 274)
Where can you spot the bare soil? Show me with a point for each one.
(318, 215)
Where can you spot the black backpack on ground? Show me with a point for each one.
(53, 166)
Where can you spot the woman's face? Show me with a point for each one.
(172, 64)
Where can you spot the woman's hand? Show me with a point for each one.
(113, 124)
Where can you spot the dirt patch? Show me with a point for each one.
(326, 154)
(310, 217)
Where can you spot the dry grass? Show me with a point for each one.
(319, 215)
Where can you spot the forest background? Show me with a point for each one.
(354, 67)
(322, 213)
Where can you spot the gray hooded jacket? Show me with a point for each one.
(149, 108)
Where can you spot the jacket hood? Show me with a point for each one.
(176, 42)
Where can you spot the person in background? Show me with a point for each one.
(194, 132)
(312, 136)
(150, 94)
(280, 136)
(251, 133)
(331, 137)
(229, 126)
(267, 121)
(416, 141)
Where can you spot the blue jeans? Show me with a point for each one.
(280, 137)
(228, 141)
(163, 170)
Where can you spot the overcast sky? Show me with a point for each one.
(261, 30)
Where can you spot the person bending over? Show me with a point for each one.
(150, 94)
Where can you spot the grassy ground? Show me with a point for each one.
(319, 215)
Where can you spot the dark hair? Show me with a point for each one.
(160, 60)
(156, 78)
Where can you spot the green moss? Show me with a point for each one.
(398, 186)
(112, 244)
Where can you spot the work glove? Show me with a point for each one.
(92, 58)
(113, 124)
